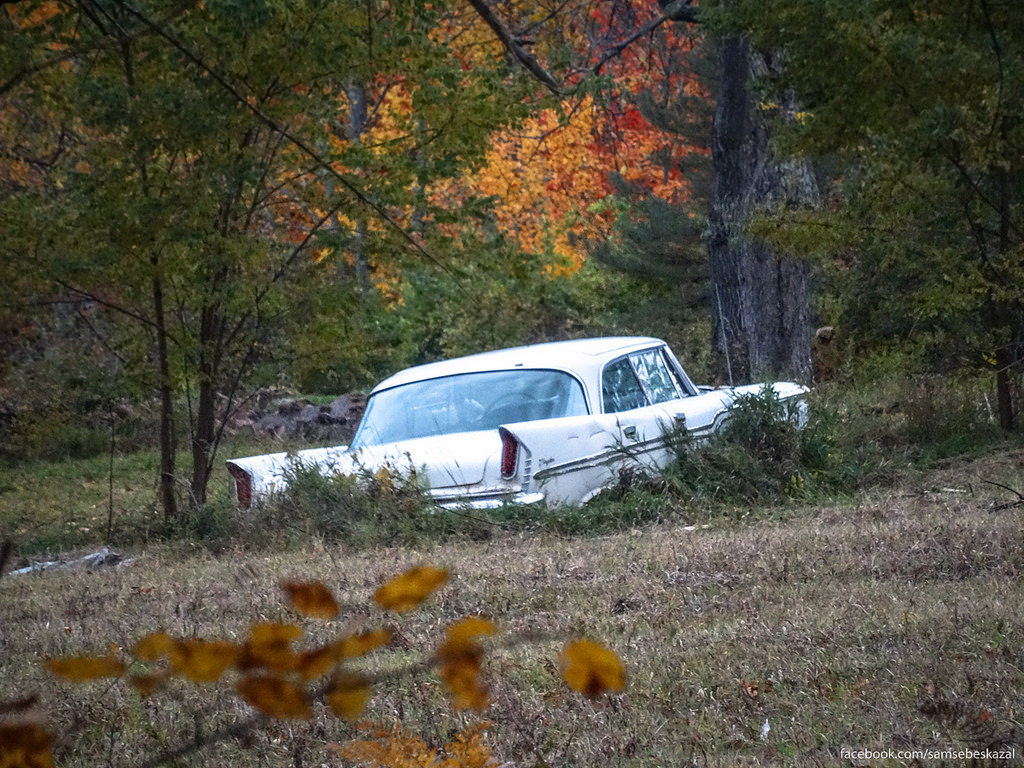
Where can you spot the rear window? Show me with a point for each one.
(470, 402)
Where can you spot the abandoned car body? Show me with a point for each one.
(555, 423)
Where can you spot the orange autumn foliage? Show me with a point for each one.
(550, 177)
(551, 174)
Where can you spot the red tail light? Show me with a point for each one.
(243, 484)
(509, 454)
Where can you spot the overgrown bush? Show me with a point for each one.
(359, 511)
(769, 451)
(757, 456)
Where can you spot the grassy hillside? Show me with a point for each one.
(893, 621)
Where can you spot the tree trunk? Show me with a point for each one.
(763, 325)
(203, 441)
(1004, 392)
(168, 439)
(204, 432)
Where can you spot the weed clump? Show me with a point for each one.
(770, 450)
(361, 511)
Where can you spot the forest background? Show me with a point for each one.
(202, 200)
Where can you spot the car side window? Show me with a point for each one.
(620, 389)
(666, 356)
(655, 375)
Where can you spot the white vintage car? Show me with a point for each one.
(553, 423)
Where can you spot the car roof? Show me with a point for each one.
(583, 357)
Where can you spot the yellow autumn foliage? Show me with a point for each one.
(274, 696)
(25, 744)
(348, 694)
(592, 669)
(202, 661)
(311, 598)
(396, 747)
(270, 646)
(405, 592)
(278, 680)
(79, 669)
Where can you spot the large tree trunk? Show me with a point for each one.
(763, 325)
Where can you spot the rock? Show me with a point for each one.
(348, 409)
(308, 413)
(289, 407)
(279, 414)
(274, 425)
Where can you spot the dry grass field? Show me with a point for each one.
(894, 622)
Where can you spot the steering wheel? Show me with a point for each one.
(509, 407)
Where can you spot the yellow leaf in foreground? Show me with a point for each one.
(25, 745)
(275, 697)
(348, 695)
(405, 592)
(78, 669)
(464, 632)
(311, 598)
(458, 662)
(154, 646)
(317, 662)
(147, 685)
(361, 644)
(270, 646)
(202, 661)
(591, 668)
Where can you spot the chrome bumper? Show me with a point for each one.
(489, 502)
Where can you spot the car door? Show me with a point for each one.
(637, 389)
(654, 402)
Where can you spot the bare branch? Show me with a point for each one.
(139, 318)
(678, 10)
(525, 57)
(1016, 493)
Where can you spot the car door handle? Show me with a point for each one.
(630, 432)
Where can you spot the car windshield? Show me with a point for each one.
(469, 402)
